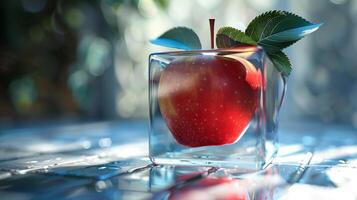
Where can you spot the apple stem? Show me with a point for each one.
(211, 25)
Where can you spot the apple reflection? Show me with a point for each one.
(211, 188)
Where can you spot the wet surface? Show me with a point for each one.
(109, 161)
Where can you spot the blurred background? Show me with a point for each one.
(88, 59)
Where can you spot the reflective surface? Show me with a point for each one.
(314, 162)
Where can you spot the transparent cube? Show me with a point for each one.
(214, 108)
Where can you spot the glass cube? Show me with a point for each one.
(214, 108)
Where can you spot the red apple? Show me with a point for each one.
(208, 100)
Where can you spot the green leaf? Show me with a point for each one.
(281, 62)
(275, 30)
(230, 37)
(180, 38)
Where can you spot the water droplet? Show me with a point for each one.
(105, 142)
(342, 161)
(86, 144)
(100, 185)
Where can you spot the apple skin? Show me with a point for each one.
(211, 188)
(208, 100)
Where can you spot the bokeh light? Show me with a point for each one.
(88, 59)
